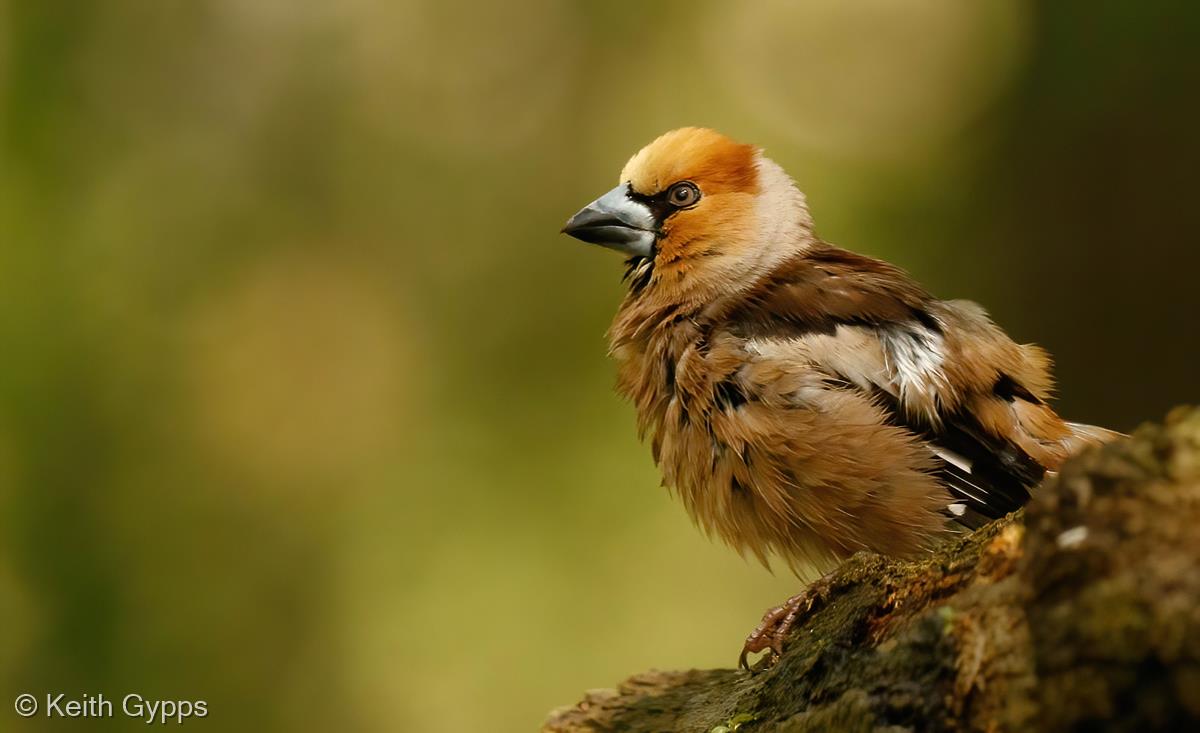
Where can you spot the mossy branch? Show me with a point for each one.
(1080, 613)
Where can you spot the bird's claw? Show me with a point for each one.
(755, 644)
(769, 634)
(776, 624)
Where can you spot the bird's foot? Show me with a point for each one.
(777, 622)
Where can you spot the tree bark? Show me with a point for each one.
(1082, 612)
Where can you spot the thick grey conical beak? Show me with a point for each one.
(617, 221)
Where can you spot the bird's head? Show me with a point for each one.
(698, 213)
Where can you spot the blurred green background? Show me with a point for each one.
(304, 404)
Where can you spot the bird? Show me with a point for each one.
(803, 401)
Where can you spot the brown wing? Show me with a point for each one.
(827, 287)
(943, 370)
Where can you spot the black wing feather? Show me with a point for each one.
(1000, 474)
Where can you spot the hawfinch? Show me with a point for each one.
(804, 401)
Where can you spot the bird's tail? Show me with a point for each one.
(1085, 435)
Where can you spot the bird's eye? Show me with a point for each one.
(683, 194)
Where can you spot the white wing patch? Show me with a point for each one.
(914, 356)
(952, 458)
